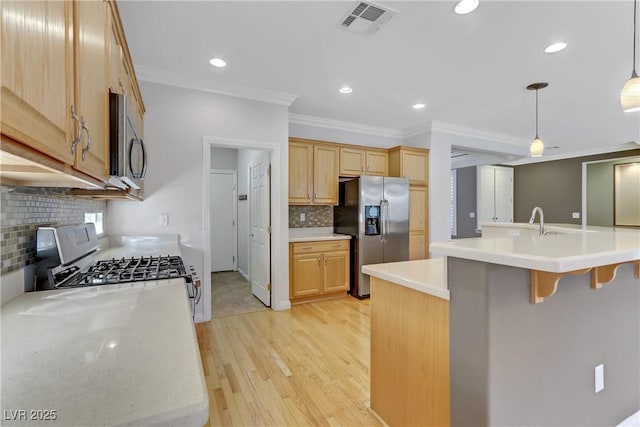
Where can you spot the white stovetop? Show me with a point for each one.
(122, 354)
(557, 253)
(425, 275)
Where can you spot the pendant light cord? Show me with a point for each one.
(537, 137)
(635, 5)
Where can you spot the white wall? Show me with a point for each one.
(245, 158)
(175, 123)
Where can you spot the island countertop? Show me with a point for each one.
(425, 275)
(557, 253)
(122, 354)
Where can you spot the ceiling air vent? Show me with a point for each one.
(366, 18)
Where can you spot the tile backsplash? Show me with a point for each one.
(315, 216)
(24, 209)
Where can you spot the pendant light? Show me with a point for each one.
(630, 95)
(537, 147)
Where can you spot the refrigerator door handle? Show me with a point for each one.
(387, 221)
(382, 220)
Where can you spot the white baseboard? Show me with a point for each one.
(243, 274)
(281, 305)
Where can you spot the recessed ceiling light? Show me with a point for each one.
(466, 6)
(418, 106)
(556, 47)
(218, 62)
(346, 89)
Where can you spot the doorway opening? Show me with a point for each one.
(239, 229)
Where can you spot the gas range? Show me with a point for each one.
(65, 260)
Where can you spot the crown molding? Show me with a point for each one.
(169, 78)
(302, 119)
(417, 130)
(573, 154)
(475, 133)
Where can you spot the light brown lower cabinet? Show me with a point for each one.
(318, 269)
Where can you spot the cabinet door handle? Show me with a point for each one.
(325, 259)
(318, 259)
(362, 168)
(336, 245)
(367, 169)
(315, 196)
(121, 86)
(77, 138)
(85, 150)
(307, 247)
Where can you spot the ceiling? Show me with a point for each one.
(471, 70)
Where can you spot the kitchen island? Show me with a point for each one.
(531, 317)
(123, 354)
(409, 342)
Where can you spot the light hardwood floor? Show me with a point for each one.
(306, 366)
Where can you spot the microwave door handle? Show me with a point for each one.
(144, 160)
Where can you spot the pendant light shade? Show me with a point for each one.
(630, 95)
(537, 146)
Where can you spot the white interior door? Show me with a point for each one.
(260, 236)
(223, 221)
(503, 188)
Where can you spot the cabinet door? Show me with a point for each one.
(418, 222)
(417, 246)
(503, 194)
(336, 271)
(325, 174)
(300, 173)
(352, 162)
(415, 167)
(117, 79)
(37, 75)
(306, 277)
(90, 30)
(377, 163)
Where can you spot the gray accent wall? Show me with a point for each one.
(517, 363)
(555, 186)
(466, 202)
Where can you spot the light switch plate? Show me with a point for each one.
(303, 217)
(164, 220)
(575, 215)
(599, 378)
(472, 214)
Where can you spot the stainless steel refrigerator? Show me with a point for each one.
(375, 211)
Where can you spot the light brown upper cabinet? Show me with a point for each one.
(91, 86)
(37, 76)
(313, 172)
(59, 59)
(356, 161)
(54, 85)
(412, 163)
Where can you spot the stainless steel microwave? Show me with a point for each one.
(127, 156)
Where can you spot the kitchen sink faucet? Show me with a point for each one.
(533, 218)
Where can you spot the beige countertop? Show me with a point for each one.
(123, 354)
(425, 275)
(560, 252)
(315, 234)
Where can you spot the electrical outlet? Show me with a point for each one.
(472, 214)
(164, 220)
(303, 217)
(599, 378)
(575, 215)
